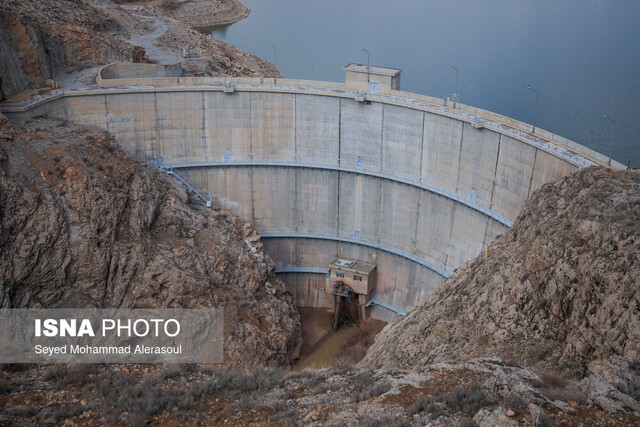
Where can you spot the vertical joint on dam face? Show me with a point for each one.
(400, 181)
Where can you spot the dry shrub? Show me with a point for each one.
(515, 402)
(550, 378)
(554, 385)
(170, 5)
(468, 401)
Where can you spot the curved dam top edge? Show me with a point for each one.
(557, 145)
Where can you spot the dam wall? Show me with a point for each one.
(415, 187)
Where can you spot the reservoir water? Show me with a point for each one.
(581, 56)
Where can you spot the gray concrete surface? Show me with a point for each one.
(409, 180)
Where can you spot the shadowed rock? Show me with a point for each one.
(83, 225)
(559, 288)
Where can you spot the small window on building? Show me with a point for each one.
(357, 278)
(338, 274)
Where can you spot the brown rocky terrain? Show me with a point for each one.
(559, 289)
(205, 13)
(82, 222)
(407, 378)
(43, 39)
(37, 37)
(197, 13)
(83, 225)
(543, 330)
(217, 58)
(481, 392)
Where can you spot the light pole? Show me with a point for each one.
(367, 65)
(613, 129)
(455, 95)
(275, 56)
(535, 115)
(275, 62)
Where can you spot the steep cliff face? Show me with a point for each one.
(559, 288)
(37, 37)
(40, 39)
(83, 225)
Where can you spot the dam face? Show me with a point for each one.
(324, 171)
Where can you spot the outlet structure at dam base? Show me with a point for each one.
(329, 170)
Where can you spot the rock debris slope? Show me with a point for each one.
(560, 288)
(43, 39)
(83, 225)
(37, 37)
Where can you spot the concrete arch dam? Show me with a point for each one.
(323, 170)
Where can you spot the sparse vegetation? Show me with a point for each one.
(285, 414)
(67, 412)
(5, 387)
(543, 420)
(551, 379)
(15, 367)
(62, 375)
(554, 385)
(374, 390)
(420, 405)
(139, 399)
(55, 373)
(382, 421)
(515, 402)
(23, 411)
(467, 401)
(170, 5)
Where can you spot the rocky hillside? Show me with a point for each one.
(39, 36)
(559, 289)
(40, 39)
(205, 13)
(83, 225)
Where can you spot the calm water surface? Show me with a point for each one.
(582, 56)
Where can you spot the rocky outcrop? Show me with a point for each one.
(37, 37)
(41, 39)
(559, 289)
(83, 225)
(206, 13)
(217, 58)
(483, 393)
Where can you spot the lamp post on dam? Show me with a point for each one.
(535, 114)
(613, 129)
(368, 73)
(455, 94)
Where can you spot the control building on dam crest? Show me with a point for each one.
(327, 170)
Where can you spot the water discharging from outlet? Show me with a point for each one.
(345, 312)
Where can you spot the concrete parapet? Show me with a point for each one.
(119, 71)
